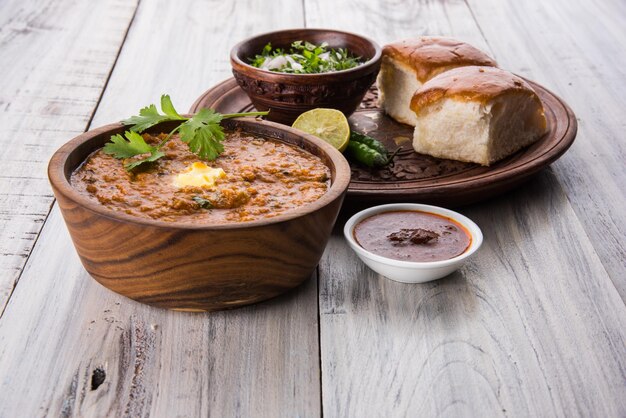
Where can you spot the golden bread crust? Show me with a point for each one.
(430, 55)
(472, 83)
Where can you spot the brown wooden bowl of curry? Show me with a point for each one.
(206, 262)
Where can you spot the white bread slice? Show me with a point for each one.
(396, 85)
(407, 64)
(476, 114)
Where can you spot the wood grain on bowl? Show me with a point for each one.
(195, 266)
(420, 178)
(289, 95)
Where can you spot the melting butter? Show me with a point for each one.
(198, 175)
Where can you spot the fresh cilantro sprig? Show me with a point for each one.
(202, 132)
(132, 145)
(305, 58)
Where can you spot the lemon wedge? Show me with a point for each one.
(328, 124)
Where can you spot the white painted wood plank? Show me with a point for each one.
(532, 326)
(55, 58)
(197, 58)
(387, 21)
(61, 325)
(257, 361)
(576, 48)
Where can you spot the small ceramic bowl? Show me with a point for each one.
(411, 271)
(288, 95)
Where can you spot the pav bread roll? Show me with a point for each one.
(476, 114)
(408, 64)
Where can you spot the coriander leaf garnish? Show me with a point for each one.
(305, 58)
(133, 145)
(121, 148)
(150, 116)
(155, 155)
(168, 108)
(202, 132)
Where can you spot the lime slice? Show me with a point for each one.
(328, 124)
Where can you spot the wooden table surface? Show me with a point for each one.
(534, 325)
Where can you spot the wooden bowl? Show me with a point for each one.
(198, 267)
(286, 96)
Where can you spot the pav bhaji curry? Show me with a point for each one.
(253, 178)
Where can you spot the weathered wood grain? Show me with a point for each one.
(532, 326)
(258, 361)
(577, 49)
(388, 20)
(193, 58)
(55, 58)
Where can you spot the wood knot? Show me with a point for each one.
(97, 377)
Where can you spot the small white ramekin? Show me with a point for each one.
(412, 271)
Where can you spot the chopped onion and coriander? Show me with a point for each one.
(305, 58)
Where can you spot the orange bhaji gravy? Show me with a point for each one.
(264, 178)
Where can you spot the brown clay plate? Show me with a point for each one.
(419, 178)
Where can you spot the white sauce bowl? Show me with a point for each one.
(412, 271)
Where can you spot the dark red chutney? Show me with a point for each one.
(411, 235)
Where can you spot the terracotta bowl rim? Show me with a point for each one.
(372, 62)
(58, 180)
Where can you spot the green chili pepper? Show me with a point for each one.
(370, 142)
(366, 155)
(368, 151)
